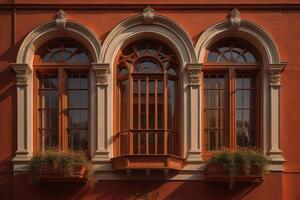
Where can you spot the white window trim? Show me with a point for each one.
(149, 25)
(59, 27)
(272, 68)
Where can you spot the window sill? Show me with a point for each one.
(125, 162)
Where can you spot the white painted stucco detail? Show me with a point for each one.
(59, 27)
(272, 67)
(152, 25)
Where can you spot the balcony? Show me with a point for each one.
(151, 149)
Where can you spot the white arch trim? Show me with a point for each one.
(49, 30)
(24, 76)
(150, 25)
(247, 29)
(272, 68)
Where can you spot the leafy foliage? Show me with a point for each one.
(65, 162)
(233, 161)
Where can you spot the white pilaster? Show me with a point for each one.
(275, 153)
(194, 139)
(23, 136)
(101, 151)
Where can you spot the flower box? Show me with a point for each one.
(51, 173)
(217, 173)
(60, 167)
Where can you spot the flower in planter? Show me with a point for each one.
(59, 164)
(239, 163)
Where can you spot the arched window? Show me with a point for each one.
(62, 95)
(232, 100)
(147, 86)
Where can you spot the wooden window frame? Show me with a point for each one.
(164, 76)
(230, 70)
(62, 70)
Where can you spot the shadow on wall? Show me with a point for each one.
(271, 188)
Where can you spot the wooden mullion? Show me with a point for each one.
(156, 117)
(217, 114)
(139, 116)
(130, 96)
(232, 94)
(165, 89)
(147, 115)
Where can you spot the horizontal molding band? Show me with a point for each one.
(157, 7)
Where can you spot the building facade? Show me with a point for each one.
(149, 91)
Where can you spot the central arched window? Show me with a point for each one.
(147, 103)
(232, 100)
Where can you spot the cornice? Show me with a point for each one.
(156, 6)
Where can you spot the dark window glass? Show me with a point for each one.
(64, 50)
(77, 92)
(48, 111)
(215, 109)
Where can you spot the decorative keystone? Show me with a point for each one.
(61, 20)
(148, 15)
(235, 19)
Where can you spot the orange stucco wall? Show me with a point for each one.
(282, 24)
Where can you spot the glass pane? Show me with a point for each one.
(123, 71)
(74, 81)
(147, 66)
(151, 143)
(143, 104)
(172, 71)
(160, 141)
(231, 50)
(135, 104)
(213, 56)
(124, 104)
(74, 99)
(215, 111)
(160, 104)
(171, 104)
(239, 98)
(151, 104)
(64, 50)
(143, 143)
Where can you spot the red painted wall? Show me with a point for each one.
(282, 24)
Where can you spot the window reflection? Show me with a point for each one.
(215, 97)
(47, 110)
(245, 110)
(64, 50)
(77, 129)
(231, 51)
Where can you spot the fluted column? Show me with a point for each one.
(101, 72)
(194, 139)
(24, 146)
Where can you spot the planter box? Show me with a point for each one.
(49, 173)
(216, 173)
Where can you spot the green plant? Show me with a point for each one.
(235, 162)
(66, 163)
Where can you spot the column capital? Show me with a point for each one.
(194, 73)
(22, 70)
(274, 71)
(101, 71)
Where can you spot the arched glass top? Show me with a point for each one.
(63, 50)
(147, 56)
(232, 51)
